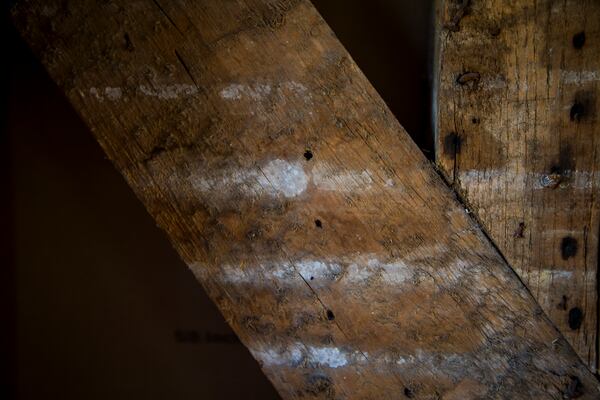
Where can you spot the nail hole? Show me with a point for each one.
(568, 247)
(308, 155)
(318, 223)
(408, 393)
(330, 315)
(579, 40)
(575, 318)
(576, 112)
(452, 144)
(475, 120)
(520, 230)
(563, 303)
(312, 278)
(574, 388)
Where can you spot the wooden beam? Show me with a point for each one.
(330, 244)
(517, 122)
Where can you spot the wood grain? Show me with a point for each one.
(516, 135)
(329, 243)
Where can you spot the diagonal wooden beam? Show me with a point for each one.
(516, 135)
(328, 241)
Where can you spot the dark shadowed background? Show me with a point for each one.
(95, 303)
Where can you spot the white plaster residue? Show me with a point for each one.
(295, 87)
(419, 362)
(358, 270)
(400, 274)
(232, 92)
(319, 270)
(260, 91)
(236, 91)
(296, 353)
(331, 357)
(579, 77)
(545, 275)
(277, 177)
(509, 178)
(169, 92)
(347, 181)
(110, 93)
(493, 82)
(396, 272)
(113, 93)
(284, 177)
(358, 273)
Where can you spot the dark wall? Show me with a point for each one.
(104, 307)
(97, 303)
(391, 41)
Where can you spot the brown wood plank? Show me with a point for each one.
(516, 135)
(328, 241)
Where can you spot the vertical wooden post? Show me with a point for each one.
(517, 135)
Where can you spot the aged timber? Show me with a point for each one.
(516, 134)
(330, 244)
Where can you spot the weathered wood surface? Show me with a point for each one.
(517, 134)
(328, 241)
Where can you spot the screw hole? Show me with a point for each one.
(577, 111)
(330, 315)
(579, 40)
(475, 120)
(318, 223)
(575, 318)
(308, 155)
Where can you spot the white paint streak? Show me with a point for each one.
(579, 77)
(311, 270)
(260, 91)
(111, 93)
(330, 357)
(280, 177)
(346, 181)
(394, 273)
(169, 92)
(509, 178)
(276, 178)
(284, 177)
(297, 353)
(548, 274)
(419, 362)
(232, 92)
(237, 91)
(398, 274)
(493, 82)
